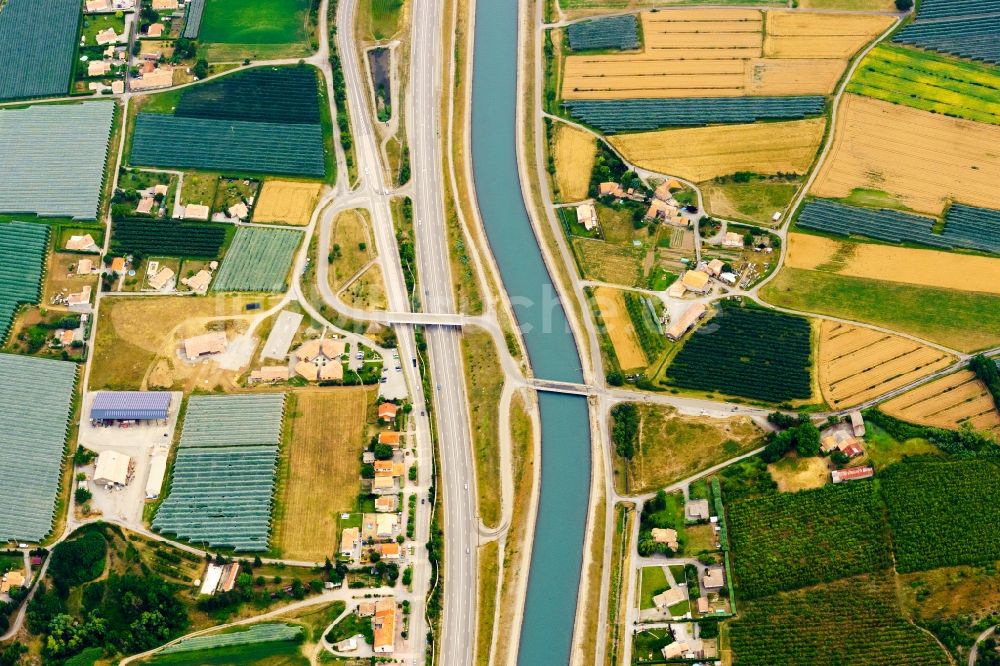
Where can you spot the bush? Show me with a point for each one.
(77, 561)
(625, 428)
(82, 495)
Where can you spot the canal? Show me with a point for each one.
(557, 554)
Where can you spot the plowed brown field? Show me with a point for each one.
(857, 364)
(948, 403)
(724, 53)
(925, 159)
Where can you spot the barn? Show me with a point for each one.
(130, 406)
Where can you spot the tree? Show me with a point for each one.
(615, 378)
(625, 428)
(200, 69)
(82, 495)
(383, 452)
(807, 440)
(904, 5)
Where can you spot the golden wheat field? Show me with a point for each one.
(924, 159)
(619, 328)
(800, 34)
(947, 403)
(701, 153)
(286, 202)
(573, 151)
(931, 268)
(857, 364)
(724, 53)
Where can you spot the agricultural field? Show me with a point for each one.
(784, 541)
(286, 202)
(793, 473)
(160, 140)
(39, 41)
(754, 201)
(956, 319)
(135, 332)
(943, 513)
(258, 260)
(324, 462)
(671, 446)
(609, 262)
(263, 120)
(264, 29)
(35, 156)
(257, 633)
(963, 36)
(806, 628)
(23, 247)
(193, 13)
(923, 159)
(932, 268)
(608, 33)
(36, 403)
(692, 53)
(573, 152)
(964, 227)
(170, 238)
(857, 364)
(702, 153)
(637, 115)
(352, 248)
(224, 448)
(929, 82)
(747, 351)
(619, 328)
(948, 402)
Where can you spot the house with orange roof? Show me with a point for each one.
(390, 438)
(384, 626)
(387, 411)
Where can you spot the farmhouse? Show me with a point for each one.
(857, 423)
(391, 438)
(130, 406)
(94, 6)
(388, 551)
(204, 345)
(157, 471)
(162, 280)
(686, 321)
(670, 597)
(852, 474)
(586, 215)
(107, 36)
(696, 510)
(675, 650)
(98, 68)
(666, 536)
(118, 265)
(239, 211)
(113, 469)
(155, 77)
(80, 301)
(198, 282)
(386, 525)
(350, 541)
(841, 440)
(83, 243)
(695, 281)
(165, 5)
(663, 192)
(610, 189)
(145, 206)
(320, 360)
(269, 374)
(732, 239)
(84, 267)
(715, 267)
(384, 626)
(387, 412)
(195, 212)
(714, 578)
(155, 30)
(386, 504)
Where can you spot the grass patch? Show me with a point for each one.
(884, 450)
(654, 581)
(793, 473)
(383, 17)
(277, 653)
(484, 380)
(621, 549)
(488, 579)
(234, 29)
(672, 447)
(753, 201)
(351, 249)
(960, 320)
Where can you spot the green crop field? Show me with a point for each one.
(930, 82)
(258, 260)
(258, 22)
(852, 621)
(785, 541)
(385, 15)
(747, 351)
(943, 513)
(961, 320)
